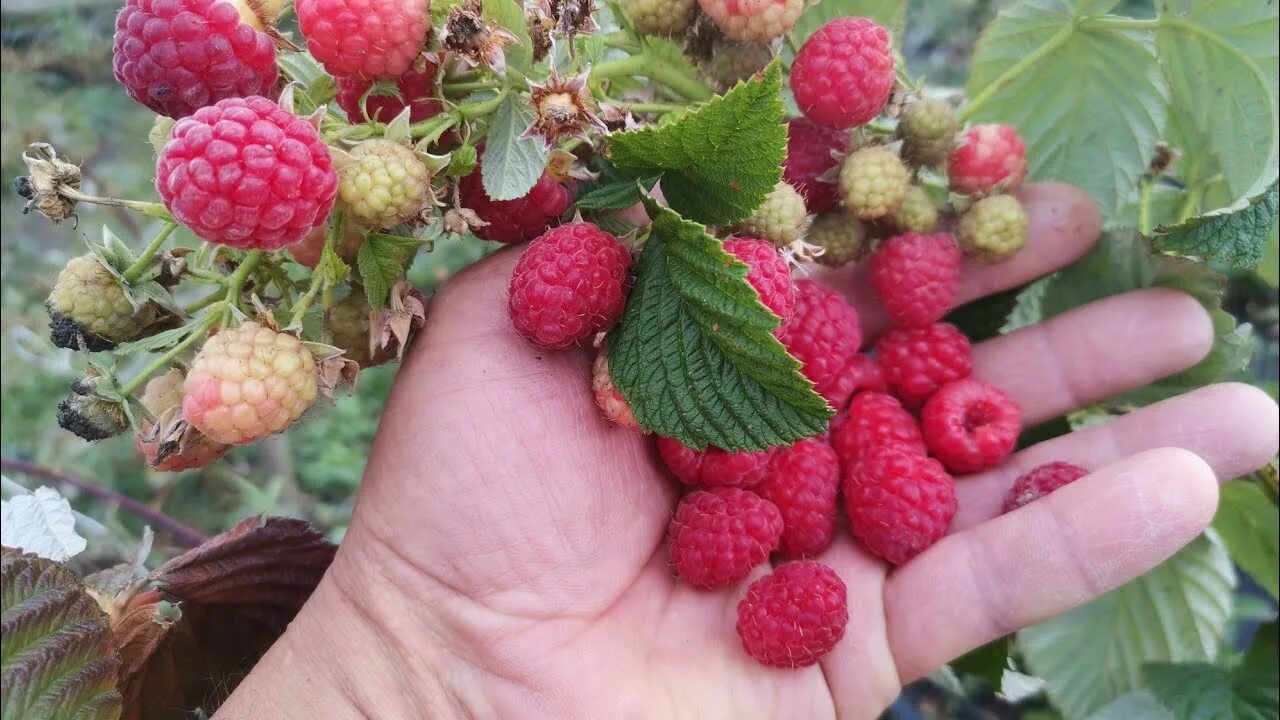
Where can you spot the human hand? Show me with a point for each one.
(506, 558)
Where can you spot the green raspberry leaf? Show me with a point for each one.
(1249, 524)
(462, 161)
(54, 661)
(718, 162)
(695, 355)
(1236, 238)
(382, 260)
(615, 195)
(1200, 691)
(512, 165)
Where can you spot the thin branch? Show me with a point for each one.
(183, 534)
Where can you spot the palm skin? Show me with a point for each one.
(506, 558)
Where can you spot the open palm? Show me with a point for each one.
(507, 558)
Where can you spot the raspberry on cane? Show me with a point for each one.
(802, 482)
(177, 56)
(994, 229)
(515, 221)
(917, 361)
(874, 420)
(928, 130)
(917, 213)
(608, 397)
(570, 284)
(415, 89)
(988, 157)
(1040, 481)
(247, 173)
(88, 306)
(372, 39)
(842, 237)
(247, 383)
(713, 467)
(843, 74)
(899, 502)
(873, 182)
(860, 374)
(970, 425)
(349, 330)
(385, 184)
(813, 151)
(730, 62)
(162, 398)
(718, 535)
(795, 616)
(661, 17)
(916, 277)
(781, 218)
(823, 333)
(767, 272)
(756, 21)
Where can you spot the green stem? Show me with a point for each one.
(155, 210)
(480, 107)
(134, 271)
(1008, 76)
(471, 86)
(235, 285)
(204, 302)
(197, 332)
(649, 107)
(304, 302)
(1144, 207)
(1190, 204)
(645, 65)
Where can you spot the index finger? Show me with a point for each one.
(1063, 224)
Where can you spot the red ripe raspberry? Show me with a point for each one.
(767, 272)
(811, 153)
(916, 361)
(373, 39)
(970, 425)
(873, 420)
(416, 88)
(843, 74)
(794, 616)
(860, 374)
(802, 482)
(916, 277)
(713, 467)
(823, 333)
(247, 173)
(988, 156)
(177, 56)
(1040, 481)
(570, 284)
(899, 502)
(718, 535)
(515, 221)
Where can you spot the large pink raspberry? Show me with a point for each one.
(718, 535)
(1040, 481)
(916, 277)
(802, 482)
(415, 89)
(899, 502)
(247, 173)
(795, 616)
(515, 221)
(916, 361)
(753, 21)
(812, 152)
(970, 425)
(570, 284)
(823, 333)
(177, 56)
(767, 272)
(713, 467)
(988, 156)
(247, 383)
(873, 420)
(373, 39)
(843, 74)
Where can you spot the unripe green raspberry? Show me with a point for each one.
(780, 219)
(385, 185)
(873, 182)
(349, 329)
(842, 237)
(928, 130)
(993, 229)
(87, 303)
(918, 214)
(732, 62)
(661, 17)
